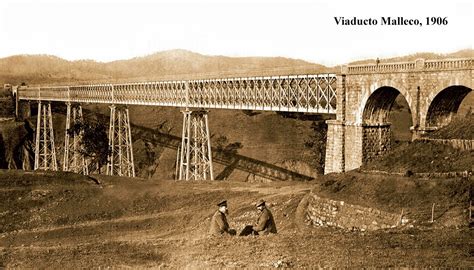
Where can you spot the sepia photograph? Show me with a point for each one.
(225, 134)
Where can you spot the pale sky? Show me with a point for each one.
(106, 30)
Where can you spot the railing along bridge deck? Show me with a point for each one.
(302, 93)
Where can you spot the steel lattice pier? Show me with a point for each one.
(45, 152)
(74, 161)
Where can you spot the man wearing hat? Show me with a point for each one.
(219, 225)
(265, 222)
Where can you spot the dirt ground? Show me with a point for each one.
(64, 220)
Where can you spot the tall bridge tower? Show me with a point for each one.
(74, 160)
(120, 142)
(45, 152)
(195, 158)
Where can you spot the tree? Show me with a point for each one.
(94, 145)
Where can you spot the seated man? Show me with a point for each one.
(265, 222)
(219, 225)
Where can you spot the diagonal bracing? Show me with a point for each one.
(45, 153)
(194, 155)
(74, 160)
(120, 160)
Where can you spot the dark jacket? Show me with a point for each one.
(265, 223)
(219, 224)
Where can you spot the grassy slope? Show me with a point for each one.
(394, 193)
(459, 128)
(422, 157)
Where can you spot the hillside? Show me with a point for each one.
(173, 64)
(188, 64)
(263, 136)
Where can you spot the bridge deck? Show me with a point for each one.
(302, 93)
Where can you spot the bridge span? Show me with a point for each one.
(303, 93)
(361, 97)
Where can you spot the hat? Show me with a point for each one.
(222, 203)
(260, 202)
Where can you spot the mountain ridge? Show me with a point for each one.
(176, 64)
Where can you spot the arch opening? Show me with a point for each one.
(386, 117)
(445, 106)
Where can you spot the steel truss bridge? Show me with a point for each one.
(301, 93)
(304, 93)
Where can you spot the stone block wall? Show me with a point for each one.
(353, 147)
(349, 146)
(376, 141)
(334, 160)
(330, 213)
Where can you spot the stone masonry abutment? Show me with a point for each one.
(432, 89)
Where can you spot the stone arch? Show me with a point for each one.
(376, 128)
(388, 89)
(445, 105)
(378, 105)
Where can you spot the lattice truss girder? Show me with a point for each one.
(74, 160)
(120, 161)
(194, 155)
(310, 93)
(45, 152)
(305, 93)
